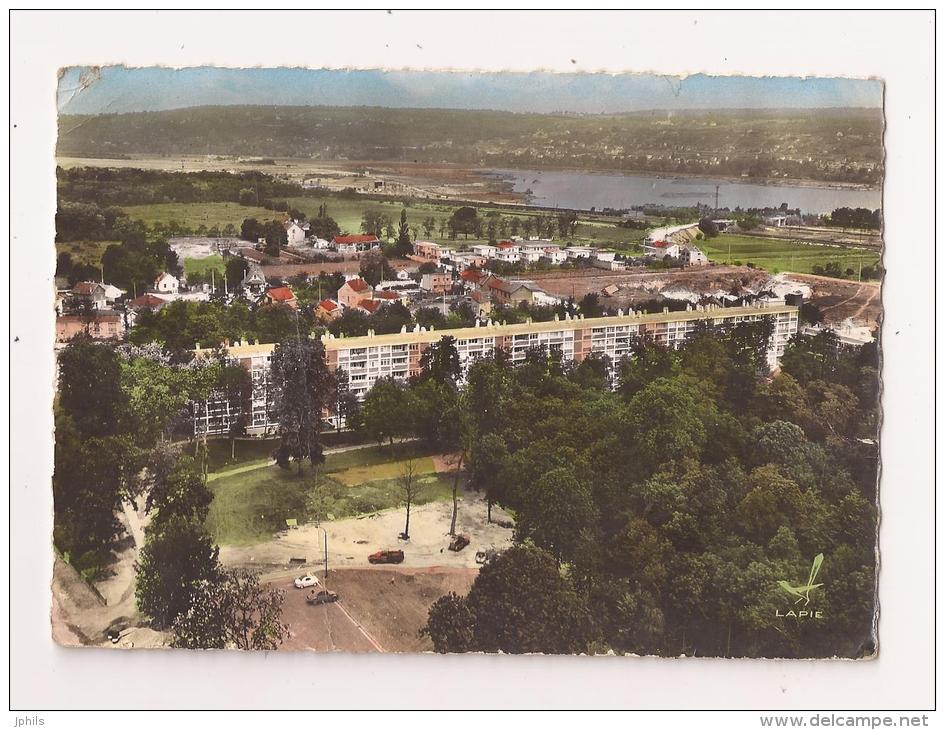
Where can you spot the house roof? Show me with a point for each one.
(386, 295)
(328, 305)
(280, 294)
(662, 244)
(86, 287)
(354, 239)
(251, 254)
(369, 305)
(147, 301)
(472, 276)
(358, 284)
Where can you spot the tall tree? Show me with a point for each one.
(301, 387)
(404, 247)
(178, 557)
(411, 488)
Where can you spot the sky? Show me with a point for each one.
(117, 89)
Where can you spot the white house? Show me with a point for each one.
(508, 255)
(485, 250)
(660, 249)
(296, 232)
(692, 256)
(554, 256)
(321, 244)
(166, 283)
(531, 255)
(579, 252)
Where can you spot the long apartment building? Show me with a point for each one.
(372, 357)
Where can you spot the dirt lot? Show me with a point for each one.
(839, 299)
(640, 286)
(350, 541)
(380, 609)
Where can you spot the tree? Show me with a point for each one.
(411, 488)
(235, 384)
(251, 230)
(324, 227)
(375, 267)
(708, 228)
(384, 411)
(301, 387)
(451, 625)
(248, 196)
(440, 360)
(236, 268)
(232, 611)
(555, 510)
(487, 461)
(276, 237)
(178, 557)
(182, 492)
(404, 247)
(90, 391)
(464, 220)
(518, 604)
(590, 305)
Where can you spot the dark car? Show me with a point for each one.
(386, 556)
(318, 597)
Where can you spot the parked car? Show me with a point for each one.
(386, 556)
(306, 581)
(484, 557)
(459, 542)
(317, 598)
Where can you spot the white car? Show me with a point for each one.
(306, 581)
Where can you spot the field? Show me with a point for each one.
(203, 266)
(348, 213)
(253, 499)
(197, 214)
(776, 255)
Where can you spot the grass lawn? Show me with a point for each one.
(776, 255)
(203, 266)
(249, 507)
(390, 470)
(252, 500)
(247, 451)
(196, 214)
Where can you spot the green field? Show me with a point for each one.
(252, 500)
(778, 255)
(203, 266)
(196, 214)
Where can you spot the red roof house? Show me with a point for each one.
(279, 295)
(353, 291)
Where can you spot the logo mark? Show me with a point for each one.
(802, 592)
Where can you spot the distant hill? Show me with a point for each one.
(827, 145)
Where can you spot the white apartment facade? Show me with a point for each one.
(372, 357)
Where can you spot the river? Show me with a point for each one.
(584, 190)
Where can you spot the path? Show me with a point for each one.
(859, 312)
(253, 466)
(859, 291)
